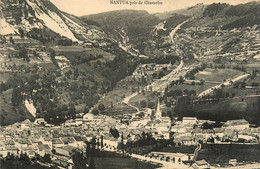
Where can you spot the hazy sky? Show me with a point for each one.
(86, 7)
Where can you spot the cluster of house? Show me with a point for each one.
(147, 70)
(190, 131)
(39, 138)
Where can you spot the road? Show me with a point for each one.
(181, 70)
(173, 32)
(227, 83)
(95, 106)
(161, 84)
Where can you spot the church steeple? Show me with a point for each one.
(158, 113)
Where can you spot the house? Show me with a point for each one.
(218, 132)
(239, 124)
(152, 125)
(40, 121)
(35, 141)
(202, 164)
(166, 120)
(8, 149)
(3, 151)
(166, 135)
(187, 140)
(189, 120)
(56, 142)
(179, 128)
(78, 121)
(110, 142)
(62, 161)
(69, 141)
(46, 140)
(65, 151)
(79, 141)
(88, 117)
(43, 149)
(22, 143)
(162, 127)
(29, 151)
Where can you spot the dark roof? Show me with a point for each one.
(57, 141)
(43, 147)
(68, 139)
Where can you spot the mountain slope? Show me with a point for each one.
(131, 28)
(28, 15)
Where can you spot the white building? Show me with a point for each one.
(189, 120)
(239, 124)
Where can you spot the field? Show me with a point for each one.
(119, 110)
(245, 92)
(4, 77)
(197, 88)
(224, 110)
(148, 97)
(111, 160)
(221, 153)
(122, 163)
(251, 66)
(217, 75)
(115, 96)
(122, 89)
(179, 149)
(10, 164)
(71, 52)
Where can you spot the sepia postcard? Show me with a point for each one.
(129, 84)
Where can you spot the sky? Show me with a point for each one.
(87, 7)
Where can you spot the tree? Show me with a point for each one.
(219, 93)
(192, 77)
(47, 158)
(181, 80)
(21, 32)
(243, 85)
(95, 112)
(78, 160)
(161, 74)
(151, 105)
(154, 75)
(202, 82)
(143, 103)
(76, 73)
(114, 132)
(227, 94)
(92, 164)
(72, 110)
(101, 107)
(16, 97)
(11, 40)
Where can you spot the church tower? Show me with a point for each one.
(158, 113)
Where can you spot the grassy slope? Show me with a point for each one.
(220, 154)
(10, 114)
(223, 110)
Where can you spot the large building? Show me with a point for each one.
(239, 124)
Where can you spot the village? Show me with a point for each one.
(39, 138)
